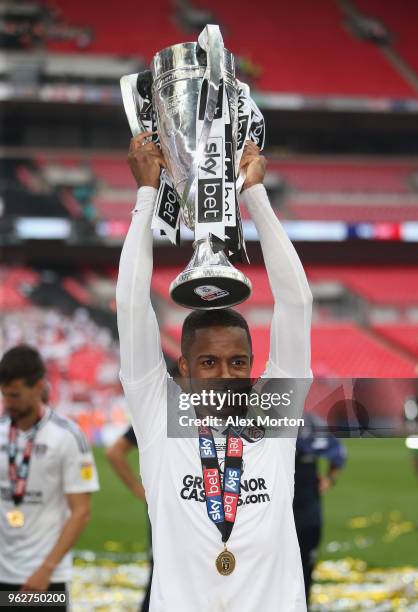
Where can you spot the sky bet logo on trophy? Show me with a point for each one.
(203, 116)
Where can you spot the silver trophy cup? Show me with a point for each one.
(190, 127)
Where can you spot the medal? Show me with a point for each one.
(225, 562)
(222, 497)
(16, 518)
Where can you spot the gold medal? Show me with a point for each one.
(16, 518)
(225, 562)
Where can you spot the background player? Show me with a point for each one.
(313, 443)
(47, 474)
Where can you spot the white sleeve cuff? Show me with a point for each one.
(145, 198)
(255, 196)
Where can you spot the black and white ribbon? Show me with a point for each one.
(209, 195)
(141, 117)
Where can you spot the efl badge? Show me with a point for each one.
(86, 471)
(210, 292)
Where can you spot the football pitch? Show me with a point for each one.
(371, 513)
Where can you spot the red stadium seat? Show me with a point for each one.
(10, 298)
(404, 336)
(379, 285)
(356, 353)
(310, 174)
(113, 210)
(113, 172)
(122, 29)
(401, 18)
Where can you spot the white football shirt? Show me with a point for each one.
(268, 571)
(61, 463)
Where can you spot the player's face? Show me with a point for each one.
(218, 352)
(20, 400)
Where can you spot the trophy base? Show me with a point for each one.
(210, 288)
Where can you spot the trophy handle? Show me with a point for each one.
(132, 102)
(212, 42)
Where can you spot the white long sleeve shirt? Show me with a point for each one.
(268, 573)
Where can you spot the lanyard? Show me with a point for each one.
(18, 475)
(221, 498)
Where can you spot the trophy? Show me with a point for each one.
(202, 115)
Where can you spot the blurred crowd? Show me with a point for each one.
(82, 360)
(30, 25)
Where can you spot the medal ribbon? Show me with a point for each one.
(18, 475)
(221, 498)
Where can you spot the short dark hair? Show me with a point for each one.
(22, 361)
(202, 319)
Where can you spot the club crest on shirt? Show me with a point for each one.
(253, 434)
(40, 449)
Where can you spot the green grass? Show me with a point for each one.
(119, 519)
(378, 480)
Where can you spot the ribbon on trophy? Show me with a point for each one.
(250, 127)
(217, 210)
(167, 210)
(209, 195)
(137, 99)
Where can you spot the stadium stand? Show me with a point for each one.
(138, 30)
(356, 354)
(345, 175)
(311, 188)
(354, 68)
(377, 285)
(402, 22)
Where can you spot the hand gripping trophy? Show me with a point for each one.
(203, 116)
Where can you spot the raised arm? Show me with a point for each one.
(290, 346)
(140, 346)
